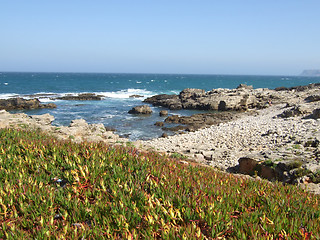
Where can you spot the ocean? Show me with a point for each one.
(112, 111)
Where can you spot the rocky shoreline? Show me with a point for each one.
(276, 140)
(78, 130)
(242, 98)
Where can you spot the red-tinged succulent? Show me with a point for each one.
(59, 189)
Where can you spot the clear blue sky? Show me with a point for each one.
(274, 37)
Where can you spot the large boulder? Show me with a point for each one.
(20, 103)
(163, 113)
(252, 166)
(144, 109)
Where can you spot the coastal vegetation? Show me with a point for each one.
(54, 189)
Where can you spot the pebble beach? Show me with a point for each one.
(259, 133)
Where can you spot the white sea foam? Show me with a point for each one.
(50, 96)
(126, 93)
(8, 95)
(108, 116)
(47, 100)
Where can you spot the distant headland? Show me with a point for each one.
(311, 73)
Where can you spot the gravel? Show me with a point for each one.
(224, 144)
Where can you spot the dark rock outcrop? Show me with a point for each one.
(218, 99)
(288, 171)
(82, 97)
(199, 121)
(169, 101)
(315, 114)
(136, 96)
(144, 109)
(164, 135)
(163, 113)
(313, 98)
(20, 103)
(159, 124)
(295, 111)
(242, 98)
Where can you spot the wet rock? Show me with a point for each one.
(164, 135)
(172, 119)
(20, 103)
(82, 97)
(163, 113)
(110, 129)
(202, 120)
(144, 109)
(136, 96)
(169, 101)
(175, 128)
(159, 124)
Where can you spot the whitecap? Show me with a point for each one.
(46, 100)
(122, 94)
(8, 95)
(108, 116)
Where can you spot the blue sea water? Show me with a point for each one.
(112, 111)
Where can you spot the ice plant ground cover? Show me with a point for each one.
(51, 189)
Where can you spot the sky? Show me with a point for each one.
(274, 37)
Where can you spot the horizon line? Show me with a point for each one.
(214, 74)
